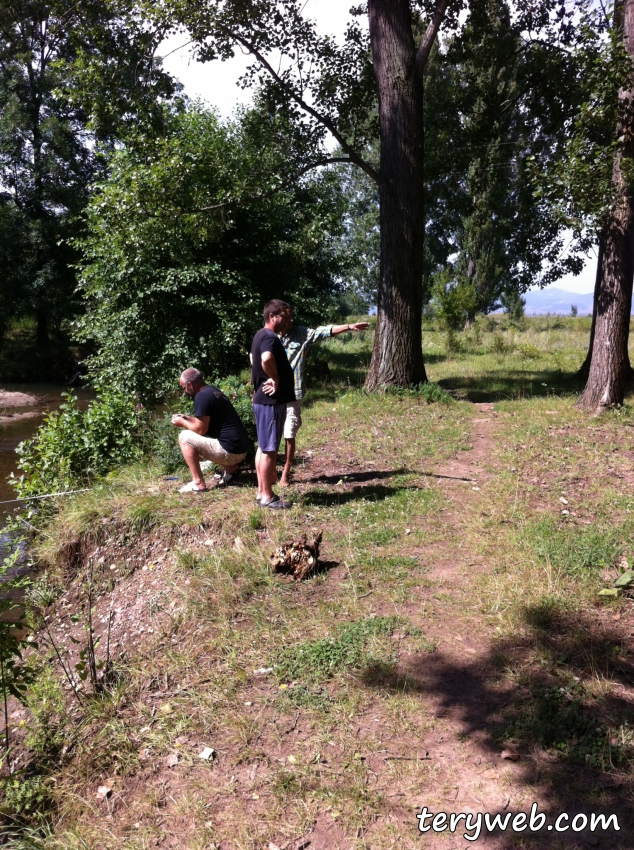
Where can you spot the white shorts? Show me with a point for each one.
(293, 420)
(209, 448)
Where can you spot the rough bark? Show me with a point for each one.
(584, 369)
(397, 357)
(610, 367)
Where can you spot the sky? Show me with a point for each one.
(217, 84)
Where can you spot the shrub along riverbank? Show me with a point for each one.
(455, 620)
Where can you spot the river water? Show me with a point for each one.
(49, 397)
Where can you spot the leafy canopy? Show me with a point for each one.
(189, 236)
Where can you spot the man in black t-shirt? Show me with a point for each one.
(274, 389)
(215, 432)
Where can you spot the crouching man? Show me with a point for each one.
(215, 432)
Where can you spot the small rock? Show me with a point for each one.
(171, 760)
(166, 709)
(103, 792)
(207, 753)
(511, 755)
(563, 501)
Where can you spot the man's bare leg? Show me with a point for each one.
(258, 471)
(289, 450)
(266, 474)
(193, 462)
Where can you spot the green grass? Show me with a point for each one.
(350, 646)
(372, 658)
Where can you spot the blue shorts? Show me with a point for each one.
(269, 423)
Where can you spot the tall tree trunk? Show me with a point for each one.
(397, 357)
(584, 369)
(610, 366)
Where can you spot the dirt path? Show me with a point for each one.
(463, 698)
(464, 687)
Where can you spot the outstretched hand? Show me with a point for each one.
(360, 326)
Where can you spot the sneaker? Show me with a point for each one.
(276, 504)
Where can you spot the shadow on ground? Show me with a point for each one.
(328, 498)
(347, 477)
(503, 384)
(540, 694)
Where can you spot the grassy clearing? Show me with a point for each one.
(445, 621)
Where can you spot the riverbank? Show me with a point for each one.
(452, 652)
(25, 360)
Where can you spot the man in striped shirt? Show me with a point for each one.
(296, 339)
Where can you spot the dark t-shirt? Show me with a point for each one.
(224, 423)
(266, 340)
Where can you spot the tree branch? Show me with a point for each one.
(354, 157)
(262, 196)
(422, 54)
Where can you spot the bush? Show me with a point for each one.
(240, 394)
(499, 345)
(71, 447)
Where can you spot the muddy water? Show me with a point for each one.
(49, 397)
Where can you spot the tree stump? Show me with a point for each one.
(298, 559)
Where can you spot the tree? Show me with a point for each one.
(515, 98)
(610, 365)
(74, 76)
(588, 179)
(334, 88)
(186, 241)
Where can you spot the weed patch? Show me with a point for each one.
(558, 721)
(576, 552)
(351, 646)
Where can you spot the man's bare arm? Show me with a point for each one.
(191, 423)
(356, 326)
(270, 367)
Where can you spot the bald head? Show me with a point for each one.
(191, 381)
(191, 376)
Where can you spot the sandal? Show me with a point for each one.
(224, 479)
(192, 488)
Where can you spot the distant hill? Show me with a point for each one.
(557, 302)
